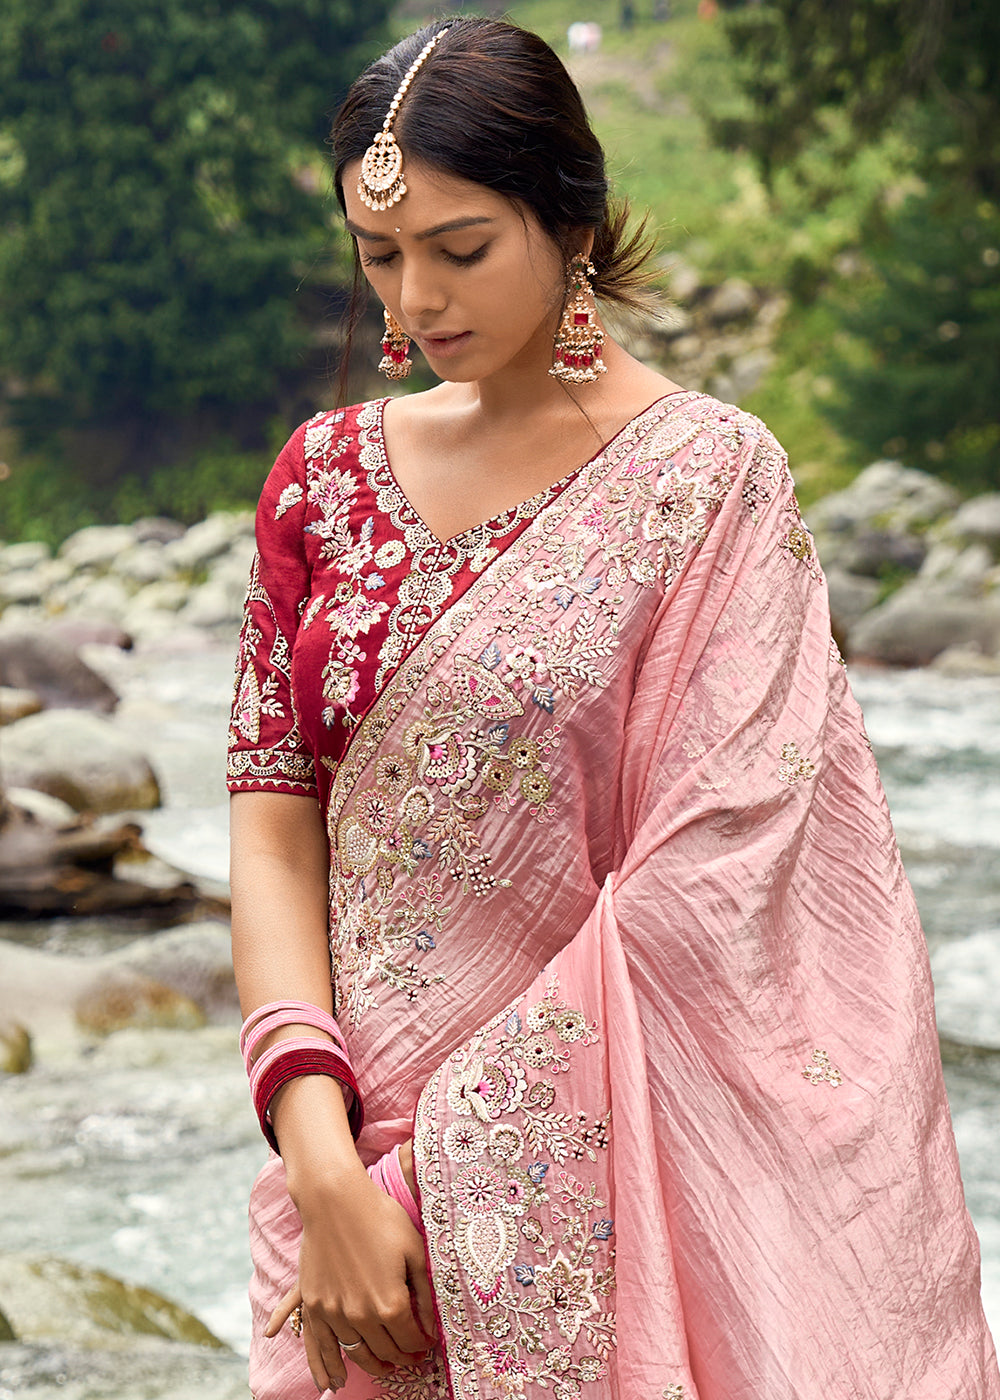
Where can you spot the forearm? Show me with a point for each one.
(279, 875)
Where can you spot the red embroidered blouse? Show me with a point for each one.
(347, 580)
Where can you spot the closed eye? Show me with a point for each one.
(368, 261)
(467, 259)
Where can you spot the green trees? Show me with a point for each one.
(916, 366)
(160, 196)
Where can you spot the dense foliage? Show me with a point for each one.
(160, 196)
(917, 363)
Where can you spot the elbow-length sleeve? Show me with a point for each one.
(742, 1182)
(266, 750)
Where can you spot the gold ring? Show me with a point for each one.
(295, 1320)
(351, 1346)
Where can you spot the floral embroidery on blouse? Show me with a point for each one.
(529, 1238)
(820, 1070)
(261, 676)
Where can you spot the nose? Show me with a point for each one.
(421, 292)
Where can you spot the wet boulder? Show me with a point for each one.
(81, 759)
(47, 664)
(48, 1298)
(916, 624)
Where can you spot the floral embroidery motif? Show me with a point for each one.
(820, 1070)
(674, 1392)
(285, 763)
(289, 497)
(794, 766)
(458, 758)
(528, 1237)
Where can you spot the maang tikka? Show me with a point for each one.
(381, 184)
(579, 343)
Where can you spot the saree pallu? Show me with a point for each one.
(620, 934)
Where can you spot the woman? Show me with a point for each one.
(563, 759)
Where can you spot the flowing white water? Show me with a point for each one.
(138, 1157)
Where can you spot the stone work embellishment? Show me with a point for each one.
(821, 1071)
(794, 765)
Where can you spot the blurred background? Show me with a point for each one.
(823, 182)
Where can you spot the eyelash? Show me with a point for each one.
(466, 261)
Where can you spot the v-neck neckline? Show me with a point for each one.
(513, 512)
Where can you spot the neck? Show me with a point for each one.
(524, 390)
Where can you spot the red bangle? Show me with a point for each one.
(295, 1063)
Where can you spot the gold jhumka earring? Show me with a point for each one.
(579, 343)
(381, 183)
(395, 362)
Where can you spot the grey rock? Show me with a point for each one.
(957, 572)
(81, 759)
(978, 519)
(150, 1369)
(27, 554)
(965, 661)
(743, 375)
(870, 552)
(207, 540)
(55, 1299)
(82, 632)
(850, 598)
(214, 604)
(97, 546)
(157, 529)
(915, 625)
(684, 280)
(46, 664)
(168, 595)
(104, 599)
(143, 563)
(18, 704)
(734, 300)
(887, 496)
(194, 959)
(56, 996)
(22, 586)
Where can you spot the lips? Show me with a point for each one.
(444, 344)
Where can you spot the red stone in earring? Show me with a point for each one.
(579, 344)
(395, 362)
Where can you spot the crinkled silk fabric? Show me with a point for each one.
(619, 931)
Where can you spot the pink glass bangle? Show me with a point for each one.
(276, 1014)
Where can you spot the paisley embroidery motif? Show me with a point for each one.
(528, 1238)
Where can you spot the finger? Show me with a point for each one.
(317, 1369)
(365, 1358)
(384, 1341)
(329, 1353)
(423, 1298)
(289, 1302)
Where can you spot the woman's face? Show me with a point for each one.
(478, 287)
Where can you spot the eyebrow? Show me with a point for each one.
(452, 226)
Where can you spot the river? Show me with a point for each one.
(138, 1157)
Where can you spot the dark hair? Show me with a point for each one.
(493, 104)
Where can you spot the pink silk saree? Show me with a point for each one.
(620, 934)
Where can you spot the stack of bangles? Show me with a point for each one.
(294, 1057)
